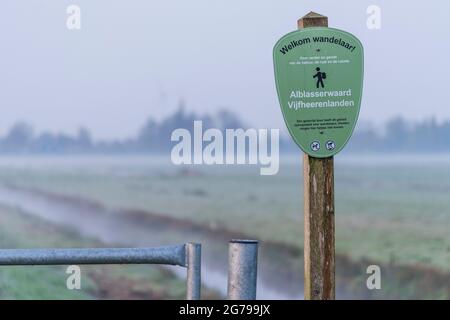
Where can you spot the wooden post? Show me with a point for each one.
(318, 175)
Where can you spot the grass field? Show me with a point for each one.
(383, 212)
(393, 212)
(20, 230)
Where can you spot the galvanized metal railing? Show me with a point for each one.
(242, 262)
(242, 269)
(187, 255)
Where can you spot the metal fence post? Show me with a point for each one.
(193, 261)
(242, 269)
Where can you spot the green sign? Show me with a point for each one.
(319, 77)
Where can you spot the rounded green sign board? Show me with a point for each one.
(319, 76)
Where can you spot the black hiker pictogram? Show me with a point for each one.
(320, 77)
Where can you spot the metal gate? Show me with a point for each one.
(242, 262)
(186, 255)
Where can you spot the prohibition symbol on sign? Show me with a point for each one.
(330, 145)
(315, 146)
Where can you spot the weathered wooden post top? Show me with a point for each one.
(319, 76)
(312, 19)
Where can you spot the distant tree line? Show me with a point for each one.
(402, 136)
(154, 137)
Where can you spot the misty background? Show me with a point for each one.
(75, 102)
(135, 61)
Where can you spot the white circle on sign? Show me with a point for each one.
(315, 146)
(330, 145)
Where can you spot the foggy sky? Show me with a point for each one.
(137, 58)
